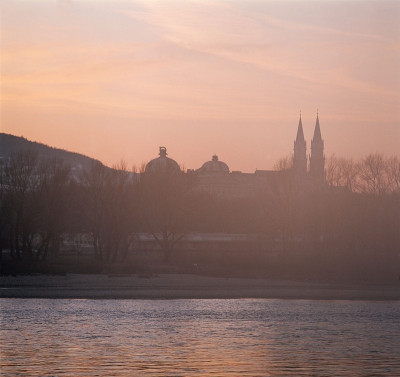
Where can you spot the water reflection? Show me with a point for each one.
(198, 337)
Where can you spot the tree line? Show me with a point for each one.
(41, 201)
(352, 220)
(350, 225)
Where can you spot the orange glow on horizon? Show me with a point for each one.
(116, 80)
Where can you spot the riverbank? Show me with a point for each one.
(181, 286)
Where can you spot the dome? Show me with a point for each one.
(214, 166)
(162, 163)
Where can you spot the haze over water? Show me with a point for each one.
(117, 79)
(199, 337)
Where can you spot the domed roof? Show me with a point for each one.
(162, 163)
(214, 166)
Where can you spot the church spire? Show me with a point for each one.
(300, 151)
(300, 133)
(317, 158)
(317, 130)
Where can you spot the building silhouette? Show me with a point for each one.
(216, 178)
(300, 152)
(317, 157)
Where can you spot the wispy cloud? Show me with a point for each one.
(319, 55)
(223, 63)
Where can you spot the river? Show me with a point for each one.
(240, 337)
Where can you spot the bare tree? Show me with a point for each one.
(373, 178)
(168, 202)
(3, 209)
(92, 204)
(342, 172)
(121, 212)
(393, 173)
(109, 210)
(21, 180)
(284, 163)
(53, 197)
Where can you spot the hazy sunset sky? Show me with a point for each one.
(117, 79)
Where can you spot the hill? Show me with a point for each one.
(10, 144)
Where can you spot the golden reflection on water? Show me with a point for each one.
(198, 338)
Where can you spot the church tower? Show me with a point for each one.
(300, 155)
(317, 158)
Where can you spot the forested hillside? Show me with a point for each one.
(10, 144)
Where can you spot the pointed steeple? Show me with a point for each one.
(300, 151)
(317, 130)
(300, 133)
(317, 158)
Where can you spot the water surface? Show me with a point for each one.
(246, 337)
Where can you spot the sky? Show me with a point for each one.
(116, 79)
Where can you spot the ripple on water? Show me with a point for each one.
(199, 337)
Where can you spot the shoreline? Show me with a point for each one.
(185, 286)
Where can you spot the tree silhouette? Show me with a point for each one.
(167, 206)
